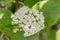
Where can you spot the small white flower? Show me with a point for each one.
(31, 20)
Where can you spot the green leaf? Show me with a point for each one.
(51, 12)
(48, 34)
(34, 37)
(8, 29)
(20, 36)
(5, 17)
(52, 35)
(30, 3)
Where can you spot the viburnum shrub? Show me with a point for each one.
(28, 19)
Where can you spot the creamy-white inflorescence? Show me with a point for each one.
(31, 20)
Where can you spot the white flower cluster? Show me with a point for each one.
(31, 20)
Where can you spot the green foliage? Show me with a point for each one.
(30, 3)
(5, 17)
(5, 21)
(48, 34)
(51, 12)
(19, 36)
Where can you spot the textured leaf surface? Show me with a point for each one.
(51, 12)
